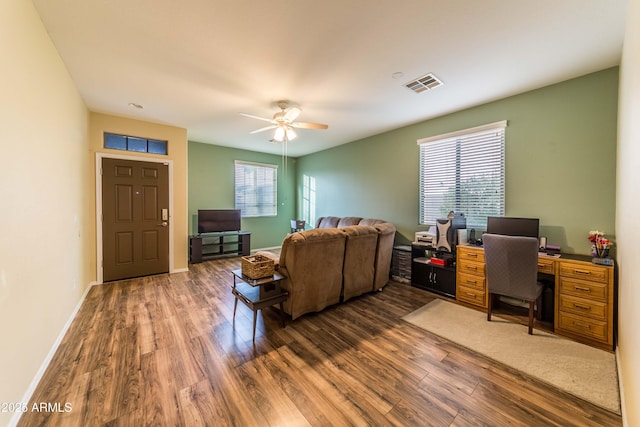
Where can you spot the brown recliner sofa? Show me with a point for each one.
(327, 265)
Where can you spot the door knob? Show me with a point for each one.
(164, 223)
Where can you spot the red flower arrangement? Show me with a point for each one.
(599, 244)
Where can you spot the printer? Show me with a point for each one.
(426, 238)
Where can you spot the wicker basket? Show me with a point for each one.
(257, 266)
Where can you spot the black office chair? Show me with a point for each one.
(297, 225)
(512, 270)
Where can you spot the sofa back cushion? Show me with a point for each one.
(359, 260)
(348, 221)
(327, 222)
(312, 261)
(386, 237)
(371, 221)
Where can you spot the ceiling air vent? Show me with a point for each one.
(423, 83)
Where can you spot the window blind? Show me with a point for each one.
(463, 172)
(256, 187)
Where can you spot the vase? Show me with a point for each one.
(599, 252)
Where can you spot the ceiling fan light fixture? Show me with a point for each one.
(283, 122)
(279, 134)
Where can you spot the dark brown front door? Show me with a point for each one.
(135, 218)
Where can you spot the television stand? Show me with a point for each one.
(207, 246)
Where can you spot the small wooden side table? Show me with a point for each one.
(258, 294)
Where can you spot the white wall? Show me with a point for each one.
(43, 190)
(628, 217)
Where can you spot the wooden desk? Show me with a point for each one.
(584, 293)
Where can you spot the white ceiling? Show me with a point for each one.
(198, 63)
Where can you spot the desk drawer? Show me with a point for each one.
(584, 271)
(583, 307)
(471, 295)
(584, 289)
(471, 281)
(468, 267)
(470, 254)
(583, 326)
(546, 265)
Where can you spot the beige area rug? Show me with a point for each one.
(581, 370)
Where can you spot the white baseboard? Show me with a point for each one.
(179, 270)
(266, 249)
(47, 360)
(621, 388)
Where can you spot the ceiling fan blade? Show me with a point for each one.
(264, 128)
(251, 116)
(292, 114)
(304, 125)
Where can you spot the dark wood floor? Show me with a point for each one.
(164, 350)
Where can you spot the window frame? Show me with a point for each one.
(261, 208)
(451, 169)
(134, 144)
(309, 199)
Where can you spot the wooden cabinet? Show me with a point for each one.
(546, 265)
(584, 303)
(584, 294)
(431, 277)
(471, 286)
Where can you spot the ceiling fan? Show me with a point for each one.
(284, 121)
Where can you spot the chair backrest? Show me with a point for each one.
(298, 224)
(511, 265)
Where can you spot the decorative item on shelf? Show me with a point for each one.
(600, 247)
(257, 266)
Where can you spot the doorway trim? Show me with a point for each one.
(99, 254)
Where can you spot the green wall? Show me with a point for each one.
(560, 163)
(211, 186)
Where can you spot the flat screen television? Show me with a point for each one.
(218, 220)
(528, 227)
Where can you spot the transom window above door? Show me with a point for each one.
(133, 143)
